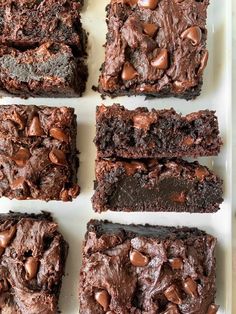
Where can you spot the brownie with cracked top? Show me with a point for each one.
(156, 185)
(32, 261)
(155, 48)
(135, 269)
(38, 153)
(33, 22)
(141, 133)
(49, 70)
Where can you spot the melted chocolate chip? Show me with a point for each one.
(171, 309)
(193, 33)
(203, 64)
(161, 60)
(103, 298)
(59, 135)
(179, 197)
(190, 287)
(172, 295)
(18, 183)
(138, 259)
(31, 267)
(35, 128)
(201, 173)
(4, 286)
(21, 157)
(6, 236)
(176, 263)
(128, 72)
(150, 29)
(18, 120)
(57, 157)
(188, 141)
(213, 309)
(148, 4)
(133, 166)
(142, 121)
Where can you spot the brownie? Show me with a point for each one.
(155, 48)
(33, 22)
(38, 153)
(135, 269)
(156, 185)
(49, 70)
(141, 133)
(32, 261)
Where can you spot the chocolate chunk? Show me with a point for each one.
(190, 287)
(57, 157)
(203, 64)
(35, 128)
(193, 33)
(128, 72)
(6, 236)
(134, 166)
(213, 309)
(188, 141)
(161, 60)
(171, 309)
(178, 197)
(31, 267)
(18, 120)
(172, 295)
(150, 29)
(201, 173)
(176, 263)
(21, 157)
(148, 4)
(19, 183)
(103, 298)
(138, 259)
(59, 135)
(143, 121)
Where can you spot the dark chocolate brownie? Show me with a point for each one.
(141, 133)
(49, 70)
(139, 269)
(38, 153)
(32, 261)
(33, 22)
(156, 185)
(155, 47)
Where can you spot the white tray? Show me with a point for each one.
(216, 95)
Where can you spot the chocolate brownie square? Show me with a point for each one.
(141, 133)
(50, 70)
(155, 48)
(32, 261)
(135, 269)
(38, 153)
(156, 185)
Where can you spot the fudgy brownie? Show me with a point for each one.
(156, 185)
(141, 133)
(33, 22)
(155, 47)
(32, 261)
(38, 153)
(49, 70)
(138, 269)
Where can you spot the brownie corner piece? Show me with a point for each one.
(147, 269)
(151, 56)
(30, 247)
(38, 153)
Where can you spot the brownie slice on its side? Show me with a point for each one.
(32, 262)
(156, 185)
(141, 133)
(155, 48)
(138, 269)
(50, 70)
(38, 153)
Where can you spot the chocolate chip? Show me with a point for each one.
(59, 135)
(31, 267)
(213, 309)
(203, 64)
(190, 287)
(129, 2)
(18, 183)
(18, 120)
(35, 128)
(103, 298)
(143, 121)
(193, 33)
(201, 173)
(128, 72)
(172, 309)
(6, 236)
(172, 295)
(178, 197)
(138, 259)
(21, 157)
(150, 29)
(188, 141)
(161, 60)
(133, 166)
(176, 263)
(57, 157)
(148, 4)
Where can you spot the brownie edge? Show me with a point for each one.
(147, 269)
